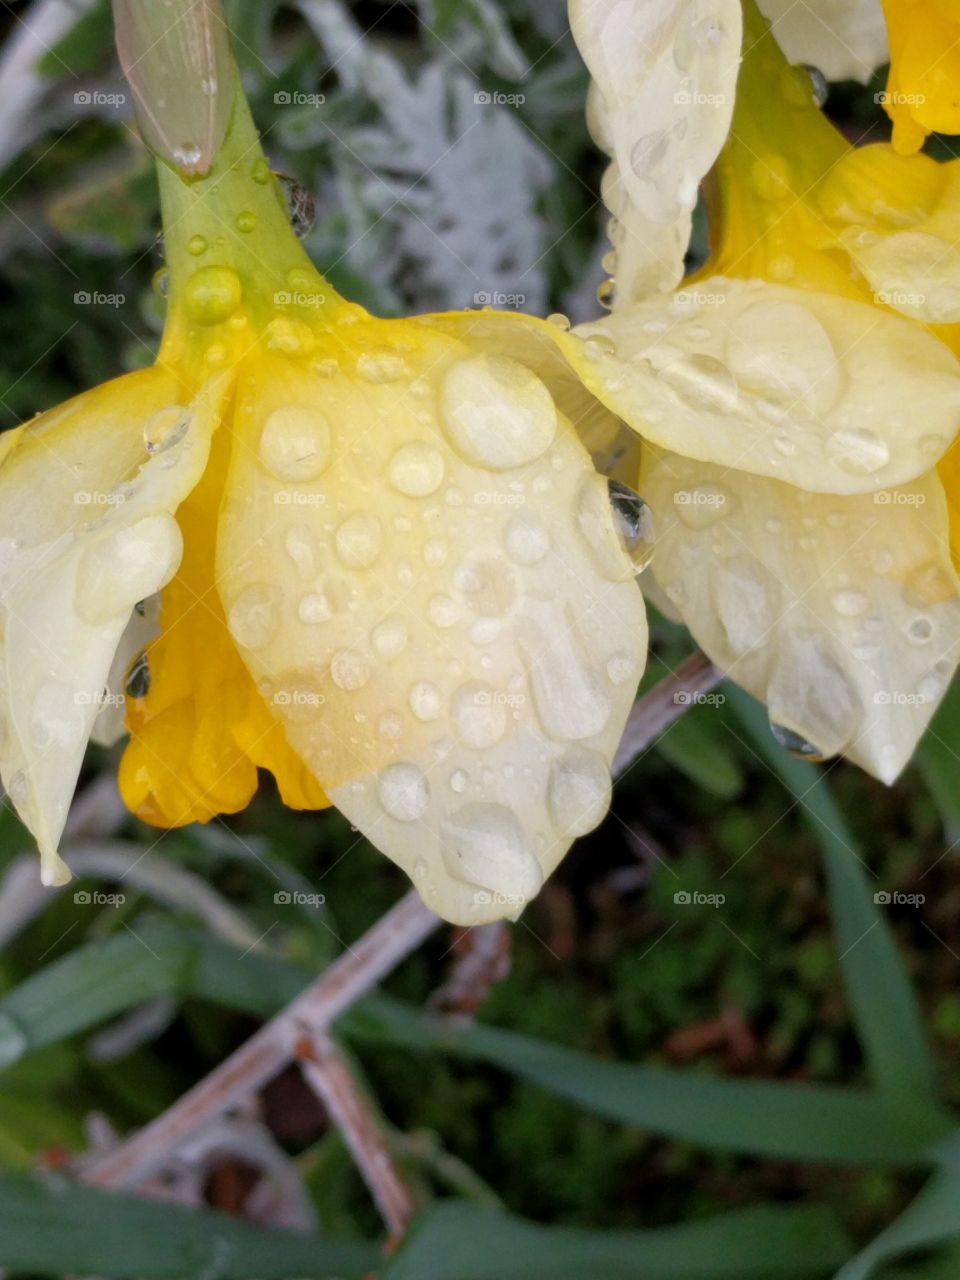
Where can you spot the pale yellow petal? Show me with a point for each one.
(418, 572)
(842, 614)
(75, 563)
(845, 39)
(826, 393)
(663, 73)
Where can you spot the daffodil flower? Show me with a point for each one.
(793, 422)
(387, 569)
(921, 95)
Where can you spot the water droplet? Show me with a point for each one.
(254, 616)
(246, 221)
(196, 245)
(920, 630)
(818, 84)
(797, 745)
(622, 667)
(381, 366)
(314, 607)
(290, 337)
(137, 683)
(567, 693)
(849, 603)
(434, 552)
(260, 171)
(525, 539)
(161, 282)
(416, 469)
(558, 319)
(497, 412)
(165, 428)
(606, 292)
(295, 443)
(443, 611)
(300, 548)
(458, 781)
(578, 792)
(213, 294)
(633, 522)
(858, 451)
(703, 381)
(389, 638)
(781, 352)
(485, 630)
(187, 156)
(484, 844)
(349, 670)
(404, 792)
(480, 715)
(359, 540)
(424, 700)
(648, 152)
(390, 726)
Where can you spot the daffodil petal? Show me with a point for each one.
(419, 566)
(663, 85)
(826, 393)
(845, 39)
(75, 565)
(842, 614)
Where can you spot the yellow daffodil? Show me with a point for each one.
(793, 423)
(387, 569)
(923, 87)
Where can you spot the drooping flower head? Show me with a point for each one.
(387, 569)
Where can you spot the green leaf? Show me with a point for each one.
(467, 1242)
(882, 1002)
(102, 979)
(693, 744)
(930, 1219)
(55, 1226)
(763, 1117)
(938, 757)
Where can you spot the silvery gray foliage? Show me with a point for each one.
(438, 178)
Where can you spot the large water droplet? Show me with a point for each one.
(254, 616)
(416, 469)
(781, 351)
(381, 366)
(389, 638)
(567, 692)
(497, 412)
(314, 607)
(359, 540)
(349, 670)
(525, 539)
(484, 844)
(578, 791)
(213, 294)
(703, 381)
(295, 443)
(404, 792)
(858, 451)
(443, 611)
(165, 428)
(424, 700)
(616, 525)
(797, 746)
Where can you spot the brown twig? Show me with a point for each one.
(327, 1071)
(663, 704)
(380, 949)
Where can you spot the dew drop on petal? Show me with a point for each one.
(349, 670)
(295, 443)
(525, 539)
(389, 638)
(359, 540)
(484, 844)
(404, 792)
(166, 427)
(497, 413)
(254, 616)
(424, 700)
(479, 715)
(796, 745)
(213, 294)
(578, 791)
(416, 469)
(858, 451)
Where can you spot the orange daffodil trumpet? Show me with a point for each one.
(387, 569)
(793, 423)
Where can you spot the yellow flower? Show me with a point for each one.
(792, 424)
(388, 571)
(923, 87)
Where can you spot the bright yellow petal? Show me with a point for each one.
(420, 568)
(922, 94)
(842, 614)
(76, 562)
